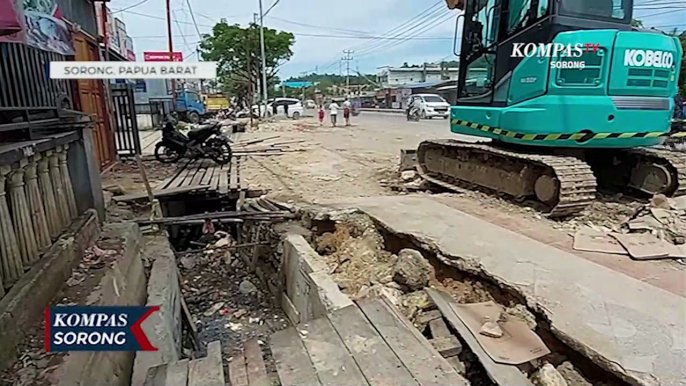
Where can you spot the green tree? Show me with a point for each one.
(637, 23)
(237, 52)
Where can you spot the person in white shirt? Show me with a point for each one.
(333, 112)
(346, 111)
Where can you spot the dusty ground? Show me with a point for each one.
(343, 163)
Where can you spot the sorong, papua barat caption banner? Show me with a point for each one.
(41, 26)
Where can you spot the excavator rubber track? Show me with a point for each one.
(506, 171)
(676, 161)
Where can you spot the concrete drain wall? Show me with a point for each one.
(309, 291)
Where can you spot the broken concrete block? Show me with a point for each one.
(572, 375)
(438, 328)
(412, 270)
(408, 175)
(548, 376)
(447, 346)
(491, 329)
(458, 365)
(425, 317)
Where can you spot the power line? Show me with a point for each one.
(434, 20)
(190, 9)
(410, 21)
(131, 6)
(270, 8)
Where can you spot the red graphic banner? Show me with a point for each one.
(162, 57)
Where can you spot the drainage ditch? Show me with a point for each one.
(360, 254)
(232, 300)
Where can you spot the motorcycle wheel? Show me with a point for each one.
(167, 154)
(219, 151)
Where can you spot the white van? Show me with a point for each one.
(431, 105)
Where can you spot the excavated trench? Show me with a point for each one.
(465, 287)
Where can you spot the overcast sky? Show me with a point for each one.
(339, 25)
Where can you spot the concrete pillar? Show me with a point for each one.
(48, 193)
(11, 266)
(58, 188)
(21, 214)
(33, 193)
(66, 180)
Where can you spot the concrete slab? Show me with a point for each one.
(163, 328)
(626, 326)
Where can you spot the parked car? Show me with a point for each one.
(431, 105)
(295, 108)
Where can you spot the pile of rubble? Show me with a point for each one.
(656, 230)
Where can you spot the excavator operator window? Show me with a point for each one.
(479, 44)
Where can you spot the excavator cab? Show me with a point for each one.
(565, 62)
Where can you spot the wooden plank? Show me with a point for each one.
(209, 172)
(233, 178)
(503, 375)
(224, 178)
(254, 364)
(192, 171)
(208, 371)
(333, 363)
(156, 376)
(171, 181)
(292, 362)
(378, 363)
(418, 355)
(160, 193)
(238, 375)
(178, 181)
(202, 170)
(447, 346)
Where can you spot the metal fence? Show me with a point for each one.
(25, 86)
(126, 135)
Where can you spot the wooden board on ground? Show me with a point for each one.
(645, 246)
(238, 374)
(233, 177)
(292, 362)
(333, 363)
(254, 364)
(208, 371)
(224, 177)
(425, 364)
(587, 239)
(160, 193)
(502, 375)
(376, 360)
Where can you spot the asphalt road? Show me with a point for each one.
(426, 128)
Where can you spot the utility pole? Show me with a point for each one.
(347, 58)
(264, 60)
(171, 52)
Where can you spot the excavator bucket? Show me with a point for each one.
(455, 4)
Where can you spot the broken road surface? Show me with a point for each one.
(626, 326)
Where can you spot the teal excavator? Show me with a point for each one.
(572, 97)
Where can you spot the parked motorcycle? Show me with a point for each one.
(206, 141)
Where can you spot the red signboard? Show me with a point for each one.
(162, 57)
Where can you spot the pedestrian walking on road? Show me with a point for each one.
(346, 111)
(285, 109)
(333, 112)
(321, 115)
